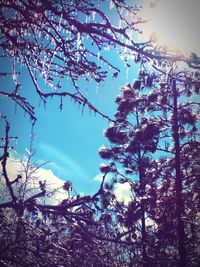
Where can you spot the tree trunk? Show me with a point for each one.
(142, 194)
(178, 182)
(144, 252)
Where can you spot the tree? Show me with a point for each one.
(134, 137)
(57, 39)
(189, 159)
(58, 234)
(180, 121)
(54, 40)
(27, 237)
(168, 123)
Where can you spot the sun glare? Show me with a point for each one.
(174, 24)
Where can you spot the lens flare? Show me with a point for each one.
(173, 24)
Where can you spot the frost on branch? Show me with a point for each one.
(62, 46)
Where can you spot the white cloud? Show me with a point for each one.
(123, 193)
(13, 168)
(53, 183)
(52, 180)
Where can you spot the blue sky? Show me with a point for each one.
(69, 138)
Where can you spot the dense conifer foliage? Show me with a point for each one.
(155, 128)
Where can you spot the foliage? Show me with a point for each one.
(155, 124)
(154, 142)
(61, 46)
(55, 40)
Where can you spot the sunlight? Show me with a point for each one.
(173, 24)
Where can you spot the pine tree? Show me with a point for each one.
(165, 110)
(134, 137)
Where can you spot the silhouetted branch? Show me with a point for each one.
(4, 160)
